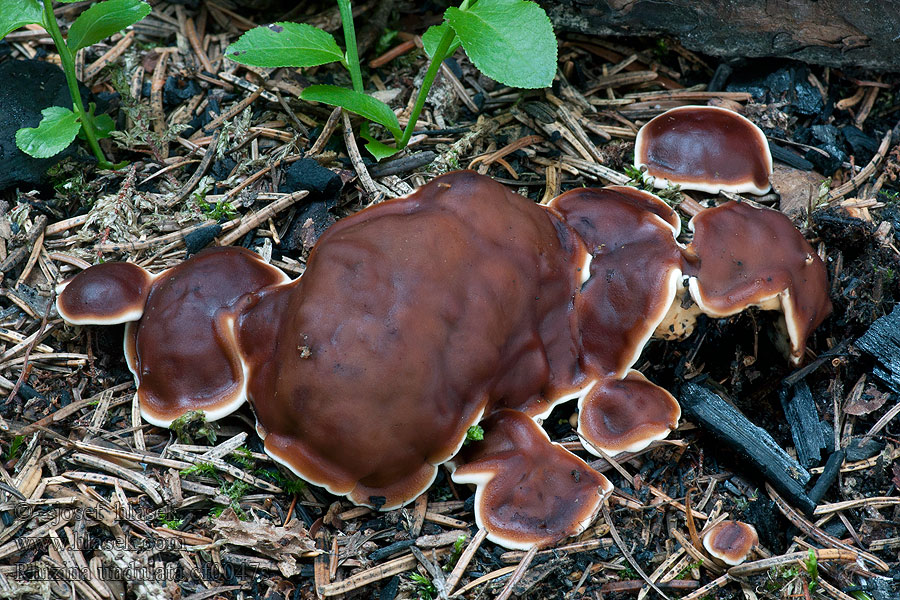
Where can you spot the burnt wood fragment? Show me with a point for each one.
(803, 419)
(753, 443)
(882, 341)
(828, 476)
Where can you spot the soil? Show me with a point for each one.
(95, 503)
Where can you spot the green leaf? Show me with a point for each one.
(52, 135)
(103, 124)
(285, 45)
(17, 13)
(432, 37)
(355, 102)
(510, 41)
(104, 19)
(377, 149)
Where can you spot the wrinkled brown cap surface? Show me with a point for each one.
(624, 415)
(412, 317)
(182, 354)
(730, 541)
(752, 256)
(636, 262)
(530, 491)
(105, 294)
(704, 148)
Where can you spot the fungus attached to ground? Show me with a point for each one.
(705, 148)
(730, 541)
(754, 256)
(419, 317)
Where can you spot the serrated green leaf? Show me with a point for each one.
(510, 41)
(377, 149)
(18, 13)
(285, 45)
(52, 135)
(356, 102)
(104, 19)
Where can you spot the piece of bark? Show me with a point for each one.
(882, 341)
(803, 419)
(753, 443)
(826, 32)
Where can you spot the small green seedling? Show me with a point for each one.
(475, 433)
(511, 41)
(60, 125)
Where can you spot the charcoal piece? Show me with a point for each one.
(828, 476)
(30, 87)
(789, 85)
(863, 146)
(858, 449)
(753, 443)
(222, 168)
(719, 78)
(803, 419)
(199, 239)
(826, 164)
(307, 174)
(310, 222)
(882, 341)
(178, 89)
(403, 164)
(792, 159)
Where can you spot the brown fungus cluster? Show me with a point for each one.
(462, 303)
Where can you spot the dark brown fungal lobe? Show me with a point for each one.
(530, 491)
(105, 294)
(635, 267)
(730, 541)
(624, 415)
(704, 148)
(413, 318)
(753, 256)
(182, 352)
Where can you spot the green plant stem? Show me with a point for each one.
(440, 54)
(68, 66)
(352, 61)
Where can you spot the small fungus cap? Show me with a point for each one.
(705, 148)
(105, 294)
(730, 541)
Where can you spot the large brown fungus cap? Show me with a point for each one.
(182, 353)
(752, 256)
(635, 266)
(704, 148)
(412, 319)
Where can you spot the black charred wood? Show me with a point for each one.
(791, 159)
(828, 476)
(753, 443)
(803, 419)
(882, 341)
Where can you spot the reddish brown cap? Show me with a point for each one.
(182, 352)
(730, 541)
(531, 492)
(625, 415)
(635, 268)
(752, 256)
(413, 318)
(104, 294)
(704, 148)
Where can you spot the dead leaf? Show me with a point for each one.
(282, 544)
(799, 190)
(870, 400)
